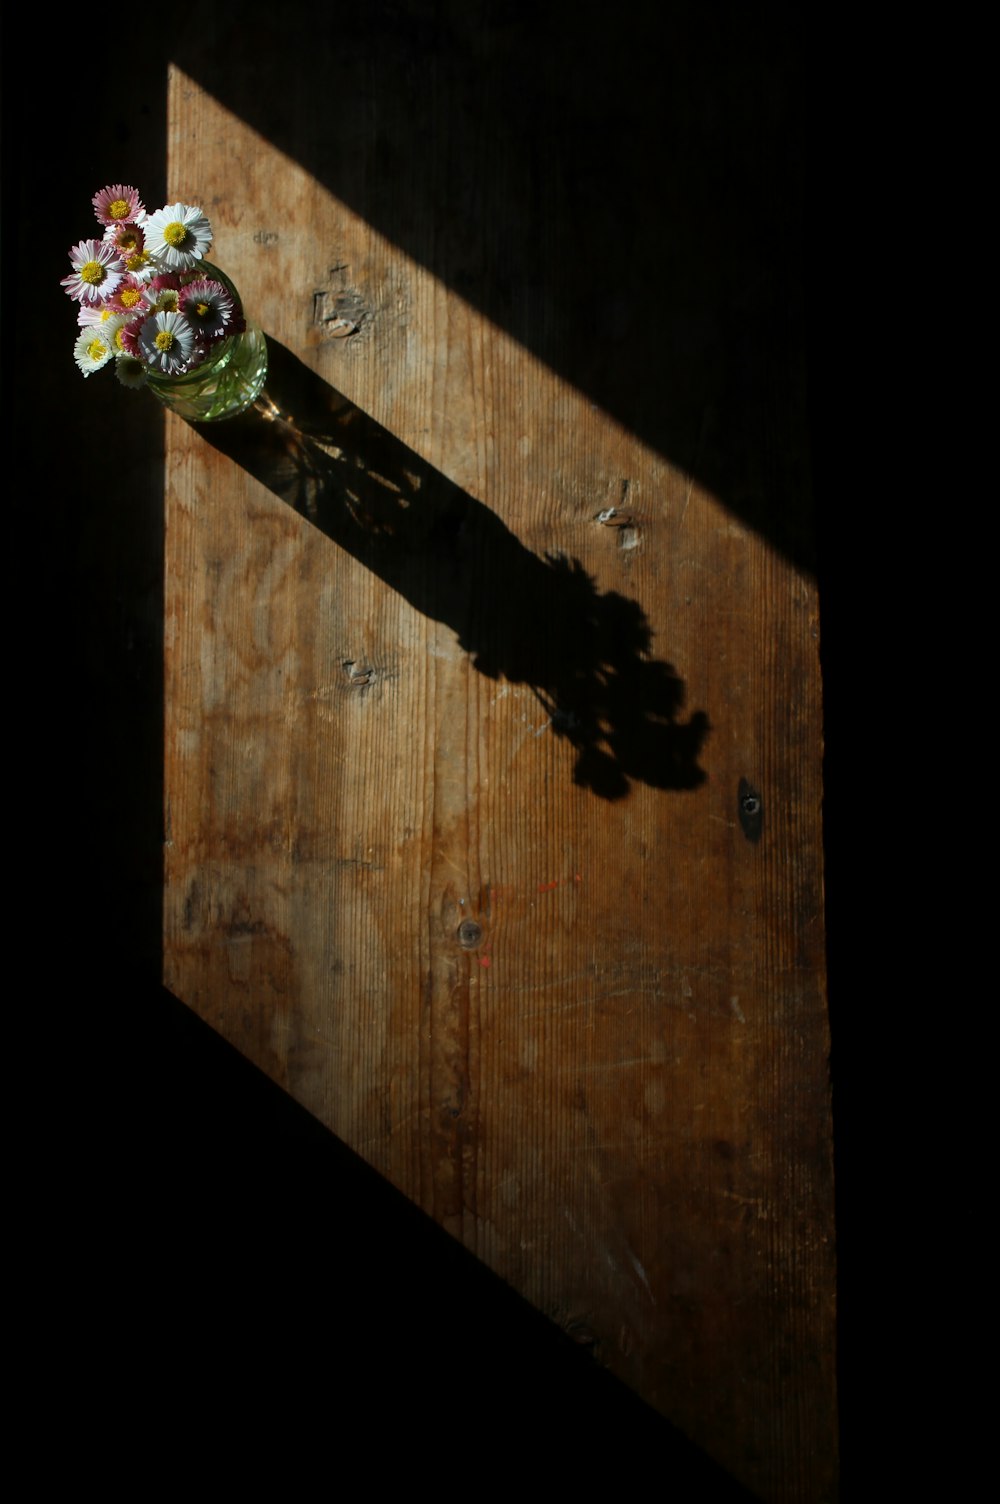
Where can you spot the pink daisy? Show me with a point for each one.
(208, 307)
(127, 338)
(128, 297)
(130, 242)
(127, 238)
(117, 204)
(97, 271)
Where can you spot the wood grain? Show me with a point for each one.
(493, 755)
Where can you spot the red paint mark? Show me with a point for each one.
(547, 887)
(577, 878)
(485, 961)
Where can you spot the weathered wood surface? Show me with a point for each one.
(493, 800)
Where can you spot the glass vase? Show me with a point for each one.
(226, 383)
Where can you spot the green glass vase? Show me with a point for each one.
(226, 383)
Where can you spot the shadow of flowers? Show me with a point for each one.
(530, 619)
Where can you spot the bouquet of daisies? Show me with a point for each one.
(148, 300)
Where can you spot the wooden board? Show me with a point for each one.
(493, 754)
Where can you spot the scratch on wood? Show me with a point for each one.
(614, 1065)
(755, 1202)
(687, 499)
(640, 1271)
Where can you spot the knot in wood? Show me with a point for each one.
(469, 934)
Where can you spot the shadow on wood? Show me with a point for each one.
(533, 620)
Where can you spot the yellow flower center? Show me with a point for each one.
(92, 272)
(128, 240)
(175, 233)
(106, 313)
(118, 341)
(130, 297)
(96, 349)
(136, 262)
(167, 301)
(201, 309)
(164, 340)
(118, 209)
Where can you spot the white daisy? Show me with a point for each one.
(111, 331)
(177, 236)
(167, 344)
(130, 371)
(92, 350)
(88, 314)
(162, 294)
(141, 266)
(97, 271)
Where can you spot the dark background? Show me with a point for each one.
(173, 1223)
